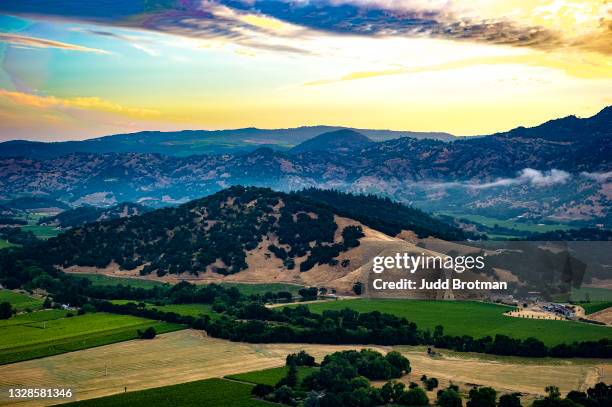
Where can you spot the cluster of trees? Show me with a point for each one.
(6, 310)
(373, 211)
(344, 380)
(18, 236)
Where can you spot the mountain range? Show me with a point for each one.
(190, 142)
(560, 170)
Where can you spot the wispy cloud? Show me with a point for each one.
(87, 103)
(597, 176)
(32, 42)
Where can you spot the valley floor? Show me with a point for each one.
(189, 355)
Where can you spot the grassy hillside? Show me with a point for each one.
(46, 333)
(20, 301)
(477, 319)
(211, 392)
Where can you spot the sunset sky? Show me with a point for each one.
(89, 68)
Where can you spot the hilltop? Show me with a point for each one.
(335, 141)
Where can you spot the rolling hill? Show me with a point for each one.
(335, 141)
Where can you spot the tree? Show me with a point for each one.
(6, 310)
(148, 333)
(358, 288)
(431, 383)
(482, 397)
(292, 378)
(510, 400)
(401, 363)
(414, 397)
(448, 398)
(262, 390)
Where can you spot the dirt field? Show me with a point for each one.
(604, 316)
(188, 355)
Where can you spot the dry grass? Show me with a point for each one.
(189, 355)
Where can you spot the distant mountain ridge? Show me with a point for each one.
(561, 170)
(195, 142)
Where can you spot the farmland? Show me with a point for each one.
(210, 392)
(271, 376)
(250, 289)
(101, 279)
(20, 301)
(45, 333)
(4, 244)
(477, 319)
(194, 310)
(188, 355)
(592, 307)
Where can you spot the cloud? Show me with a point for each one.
(32, 42)
(86, 103)
(247, 21)
(597, 176)
(528, 176)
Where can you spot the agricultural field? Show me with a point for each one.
(101, 279)
(189, 355)
(210, 392)
(477, 319)
(42, 232)
(591, 294)
(528, 227)
(193, 310)
(46, 333)
(251, 289)
(4, 244)
(20, 301)
(595, 306)
(271, 376)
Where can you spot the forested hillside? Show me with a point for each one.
(209, 234)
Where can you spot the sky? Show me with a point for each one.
(81, 69)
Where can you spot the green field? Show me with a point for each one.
(271, 376)
(527, 227)
(592, 307)
(477, 319)
(4, 244)
(42, 232)
(591, 294)
(210, 392)
(19, 301)
(251, 289)
(193, 310)
(100, 279)
(46, 333)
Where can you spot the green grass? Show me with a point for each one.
(193, 310)
(5, 243)
(271, 376)
(47, 333)
(250, 289)
(477, 319)
(100, 279)
(19, 301)
(592, 294)
(42, 232)
(592, 307)
(210, 392)
(527, 227)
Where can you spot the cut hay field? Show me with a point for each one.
(20, 301)
(210, 392)
(271, 376)
(188, 355)
(477, 319)
(45, 333)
